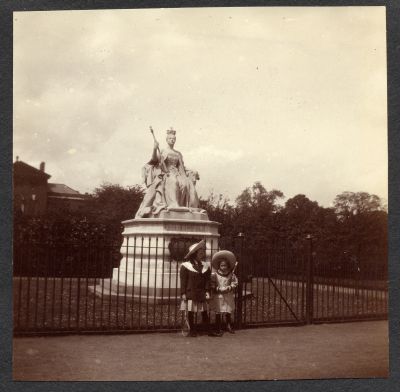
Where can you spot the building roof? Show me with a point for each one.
(61, 188)
(23, 169)
(62, 191)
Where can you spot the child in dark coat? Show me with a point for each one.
(195, 275)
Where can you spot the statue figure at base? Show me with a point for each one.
(168, 183)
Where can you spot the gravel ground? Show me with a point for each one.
(348, 350)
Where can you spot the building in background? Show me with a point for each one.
(61, 196)
(35, 196)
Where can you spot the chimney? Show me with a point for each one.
(42, 166)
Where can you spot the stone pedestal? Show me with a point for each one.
(153, 250)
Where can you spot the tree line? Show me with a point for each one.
(353, 230)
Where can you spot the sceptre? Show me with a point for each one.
(154, 138)
(158, 149)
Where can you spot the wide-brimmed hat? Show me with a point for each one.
(224, 255)
(195, 247)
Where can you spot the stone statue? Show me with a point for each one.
(168, 183)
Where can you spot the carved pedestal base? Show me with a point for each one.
(153, 250)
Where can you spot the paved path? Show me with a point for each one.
(355, 350)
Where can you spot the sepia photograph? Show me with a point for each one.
(200, 194)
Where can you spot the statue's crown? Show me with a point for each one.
(171, 131)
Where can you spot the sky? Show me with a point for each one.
(293, 97)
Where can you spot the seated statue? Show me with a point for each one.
(168, 183)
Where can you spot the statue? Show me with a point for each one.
(168, 183)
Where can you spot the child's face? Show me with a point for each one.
(200, 254)
(223, 266)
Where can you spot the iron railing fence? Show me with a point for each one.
(104, 288)
(69, 288)
(353, 294)
(65, 259)
(310, 289)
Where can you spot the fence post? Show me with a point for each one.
(240, 237)
(310, 282)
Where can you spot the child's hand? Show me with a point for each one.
(207, 295)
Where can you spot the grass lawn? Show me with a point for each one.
(68, 305)
(282, 300)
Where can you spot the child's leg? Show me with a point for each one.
(229, 324)
(218, 322)
(206, 323)
(204, 318)
(191, 324)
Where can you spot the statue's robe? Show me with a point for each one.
(153, 200)
(167, 186)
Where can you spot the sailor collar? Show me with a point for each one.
(220, 273)
(188, 265)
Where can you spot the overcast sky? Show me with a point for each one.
(292, 97)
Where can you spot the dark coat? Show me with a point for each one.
(195, 283)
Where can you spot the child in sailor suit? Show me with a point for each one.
(195, 277)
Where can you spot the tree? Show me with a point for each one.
(116, 203)
(256, 214)
(257, 197)
(302, 216)
(301, 210)
(219, 210)
(353, 203)
(363, 227)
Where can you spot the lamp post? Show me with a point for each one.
(240, 238)
(310, 281)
